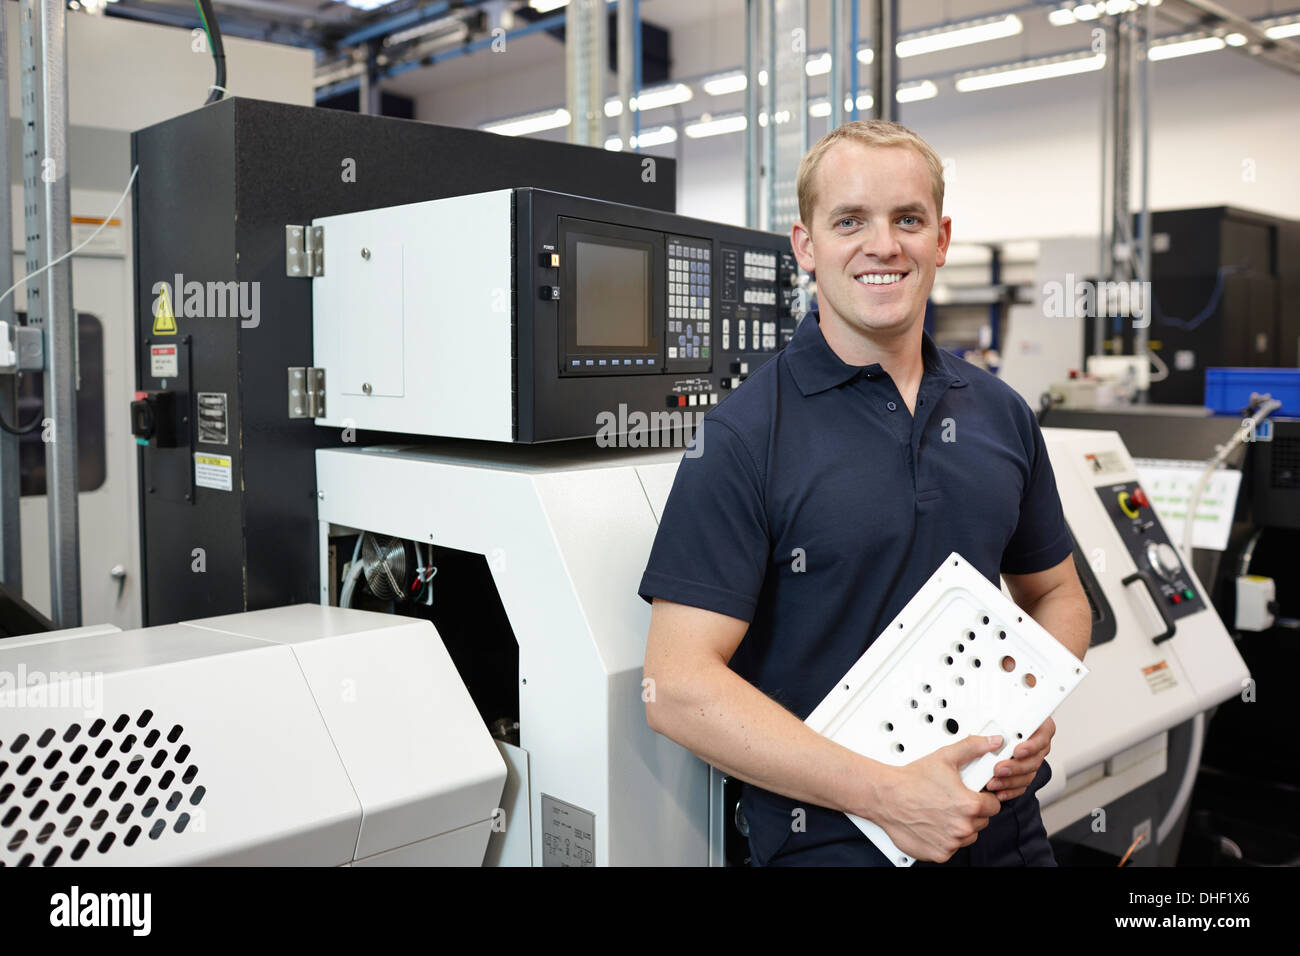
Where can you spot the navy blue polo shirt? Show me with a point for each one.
(818, 506)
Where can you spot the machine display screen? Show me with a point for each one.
(612, 296)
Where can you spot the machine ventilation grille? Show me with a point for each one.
(64, 795)
(1286, 462)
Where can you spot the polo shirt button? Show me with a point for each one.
(892, 407)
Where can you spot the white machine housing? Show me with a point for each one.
(1111, 734)
(390, 363)
(301, 735)
(566, 535)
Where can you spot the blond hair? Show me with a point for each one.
(868, 133)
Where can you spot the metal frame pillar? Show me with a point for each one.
(49, 297)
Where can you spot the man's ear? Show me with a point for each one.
(802, 245)
(945, 237)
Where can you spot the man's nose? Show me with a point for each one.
(880, 242)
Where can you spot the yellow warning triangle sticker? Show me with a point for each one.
(164, 321)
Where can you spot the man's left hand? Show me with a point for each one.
(1013, 777)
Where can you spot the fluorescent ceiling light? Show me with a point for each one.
(1007, 26)
(655, 137)
(818, 65)
(716, 127)
(535, 123)
(1061, 18)
(372, 4)
(546, 6)
(866, 55)
(1030, 72)
(1235, 39)
(819, 108)
(650, 137)
(1283, 30)
(725, 83)
(663, 96)
(1086, 11)
(1167, 51)
(865, 102)
(613, 107)
(924, 90)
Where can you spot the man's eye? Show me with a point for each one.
(846, 219)
(914, 220)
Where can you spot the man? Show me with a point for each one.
(831, 485)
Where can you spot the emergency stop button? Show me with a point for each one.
(1140, 498)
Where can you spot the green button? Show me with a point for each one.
(704, 351)
(1188, 594)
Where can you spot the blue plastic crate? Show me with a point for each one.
(1227, 390)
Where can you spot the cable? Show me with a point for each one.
(1131, 847)
(23, 429)
(89, 239)
(1162, 372)
(27, 429)
(1211, 306)
(354, 572)
(213, 30)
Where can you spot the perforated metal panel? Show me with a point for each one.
(961, 658)
(71, 792)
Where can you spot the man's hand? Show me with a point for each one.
(1012, 777)
(927, 811)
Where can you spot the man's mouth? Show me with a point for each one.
(880, 278)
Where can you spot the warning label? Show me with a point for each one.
(164, 319)
(212, 418)
(1159, 677)
(213, 471)
(163, 361)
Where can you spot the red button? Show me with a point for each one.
(1176, 599)
(1140, 498)
(681, 401)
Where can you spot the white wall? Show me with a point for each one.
(124, 74)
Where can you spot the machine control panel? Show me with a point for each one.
(690, 301)
(757, 295)
(1150, 548)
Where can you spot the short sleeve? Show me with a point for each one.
(1042, 539)
(712, 546)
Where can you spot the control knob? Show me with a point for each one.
(1163, 560)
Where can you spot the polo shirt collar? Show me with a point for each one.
(816, 367)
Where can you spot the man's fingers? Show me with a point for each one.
(1018, 782)
(1006, 795)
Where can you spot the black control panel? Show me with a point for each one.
(1157, 560)
(621, 310)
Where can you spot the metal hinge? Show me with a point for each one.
(306, 392)
(304, 251)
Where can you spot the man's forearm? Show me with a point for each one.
(1064, 613)
(729, 723)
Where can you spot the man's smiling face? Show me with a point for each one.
(875, 239)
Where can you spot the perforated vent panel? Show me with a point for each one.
(1286, 463)
(72, 793)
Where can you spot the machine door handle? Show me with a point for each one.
(1170, 625)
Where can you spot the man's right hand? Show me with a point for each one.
(926, 809)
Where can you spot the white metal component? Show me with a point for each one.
(959, 659)
(412, 318)
(566, 535)
(1138, 689)
(1254, 595)
(300, 735)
